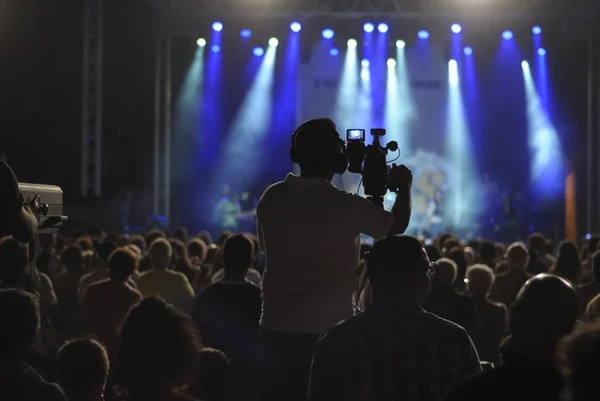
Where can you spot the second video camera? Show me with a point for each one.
(370, 162)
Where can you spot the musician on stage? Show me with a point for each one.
(435, 214)
(227, 211)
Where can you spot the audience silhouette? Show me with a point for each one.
(394, 350)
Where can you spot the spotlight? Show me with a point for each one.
(328, 33)
(352, 43)
(368, 27)
(201, 42)
(536, 30)
(216, 48)
(334, 52)
(365, 63)
(400, 44)
(507, 35)
(273, 42)
(468, 51)
(525, 65)
(541, 52)
(217, 26)
(295, 26)
(383, 28)
(258, 51)
(245, 33)
(391, 63)
(456, 28)
(423, 34)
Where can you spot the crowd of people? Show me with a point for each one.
(300, 310)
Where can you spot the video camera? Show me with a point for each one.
(46, 203)
(370, 162)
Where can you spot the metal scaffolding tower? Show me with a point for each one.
(162, 126)
(91, 124)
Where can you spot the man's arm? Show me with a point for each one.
(401, 210)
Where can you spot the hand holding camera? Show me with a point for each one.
(400, 177)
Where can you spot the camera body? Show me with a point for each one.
(46, 202)
(370, 162)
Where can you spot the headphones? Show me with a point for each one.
(335, 153)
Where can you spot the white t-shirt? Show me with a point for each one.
(310, 232)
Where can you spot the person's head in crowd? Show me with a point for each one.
(104, 250)
(136, 250)
(223, 237)
(212, 254)
(445, 274)
(153, 235)
(182, 234)
(72, 258)
(139, 241)
(214, 380)
(517, 256)
(85, 243)
(487, 253)
(568, 264)
(82, 369)
(479, 281)
(161, 253)
(538, 242)
(238, 255)
(115, 237)
(470, 255)
(122, 264)
(580, 353)
(48, 244)
(14, 263)
(159, 351)
(206, 237)
(544, 311)
(20, 314)
(365, 248)
(179, 250)
(89, 259)
(399, 270)
(440, 240)
(593, 307)
(457, 255)
(449, 244)
(197, 249)
(314, 146)
(433, 253)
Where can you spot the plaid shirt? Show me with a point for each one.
(392, 354)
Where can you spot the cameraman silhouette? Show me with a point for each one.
(16, 218)
(310, 233)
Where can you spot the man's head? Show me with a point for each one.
(581, 354)
(181, 233)
(318, 149)
(72, 258)
(122, 263)
(161, 253)
(238, 255)
(487, 252)
(14, 263)
(545, 310)
(20, 314)
(82, 369)
(445, 273)
(196, 248)
(538, 242)
(517, 255)
(399, 269)
(480, 279)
